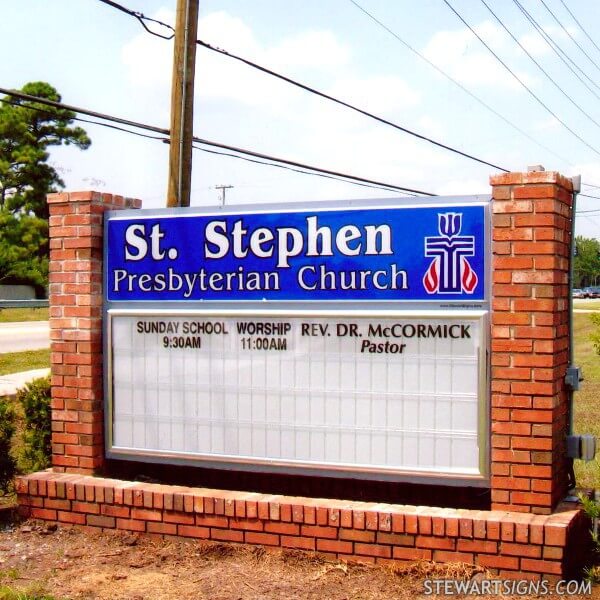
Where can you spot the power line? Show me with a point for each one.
(569, 34)
(321, 94)
(548, 76)
(91, 121)
(348, 105)
(257, 155)
(580, 25)
(558, 50)
(457, 83)
(141, 17)
(288, 168)
(519, 80)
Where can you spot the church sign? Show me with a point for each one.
(343, 339)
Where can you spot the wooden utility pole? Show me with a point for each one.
(223, 188)
(182, 103)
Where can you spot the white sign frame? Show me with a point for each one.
(477, 477)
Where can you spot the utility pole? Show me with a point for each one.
(182, 103)
(223, 188)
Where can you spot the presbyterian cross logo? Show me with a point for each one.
(450, 271)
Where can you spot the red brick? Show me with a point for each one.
(555, 535)
(70, 517)
(162, 528)
(44, 513)
(498, 562)
(336, 546)
(247, 524)
(319, 532)
(131, 525)
(357, 535)
(301, 543)
(282, 528)
(435, 542)
(529, 550)
(446, 556)
(477, 546)
(144, 514)
(193, 531)
(541, 566)
(373, 550)
(263, 539)
(395, 539)
(411, 553)
(225, 535)
(212, 521)
(101, 521)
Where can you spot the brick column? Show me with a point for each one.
(531, 226)
(76, 242)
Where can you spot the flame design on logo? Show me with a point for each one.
(431, 279)
(469, 277)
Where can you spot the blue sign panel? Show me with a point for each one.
(385, 254)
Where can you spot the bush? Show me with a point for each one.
(7, 462)
(37, 435)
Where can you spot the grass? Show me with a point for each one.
(587, 304)
(16, 315)
(586, 399)
(9, 593)
(15, 362)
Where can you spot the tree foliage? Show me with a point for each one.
(587, 262)
(28, 129)
(23, 250)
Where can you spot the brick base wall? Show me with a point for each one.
(509, 544)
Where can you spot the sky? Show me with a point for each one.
(456, 93)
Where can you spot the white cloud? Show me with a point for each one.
(547, 124)
(378, 94)
(314, 49)
(462, 55)
(535, 44)
(463, 187)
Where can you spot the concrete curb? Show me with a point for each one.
(9, 384)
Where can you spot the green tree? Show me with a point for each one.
(23, 250)
(587, 262)
(27, 130)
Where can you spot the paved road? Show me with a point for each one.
(16, 337)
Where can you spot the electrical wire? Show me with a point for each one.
(166, 137)
(519, 80)
(260, 162)
(558, 50)
(321, 94)
(141, 17)
(580, 25)
(457, 83)
(559, 23)
(91, 121)
(366, 113)
(539, 66)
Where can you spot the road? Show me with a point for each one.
(16, 337)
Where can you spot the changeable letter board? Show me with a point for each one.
(357, 393)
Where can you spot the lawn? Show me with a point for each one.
(16, 362)
(587, 304)
(586, 399)
(15, 315)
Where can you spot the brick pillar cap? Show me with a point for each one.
(530, 178)
(91, 196)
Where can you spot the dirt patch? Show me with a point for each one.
(86, 563)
